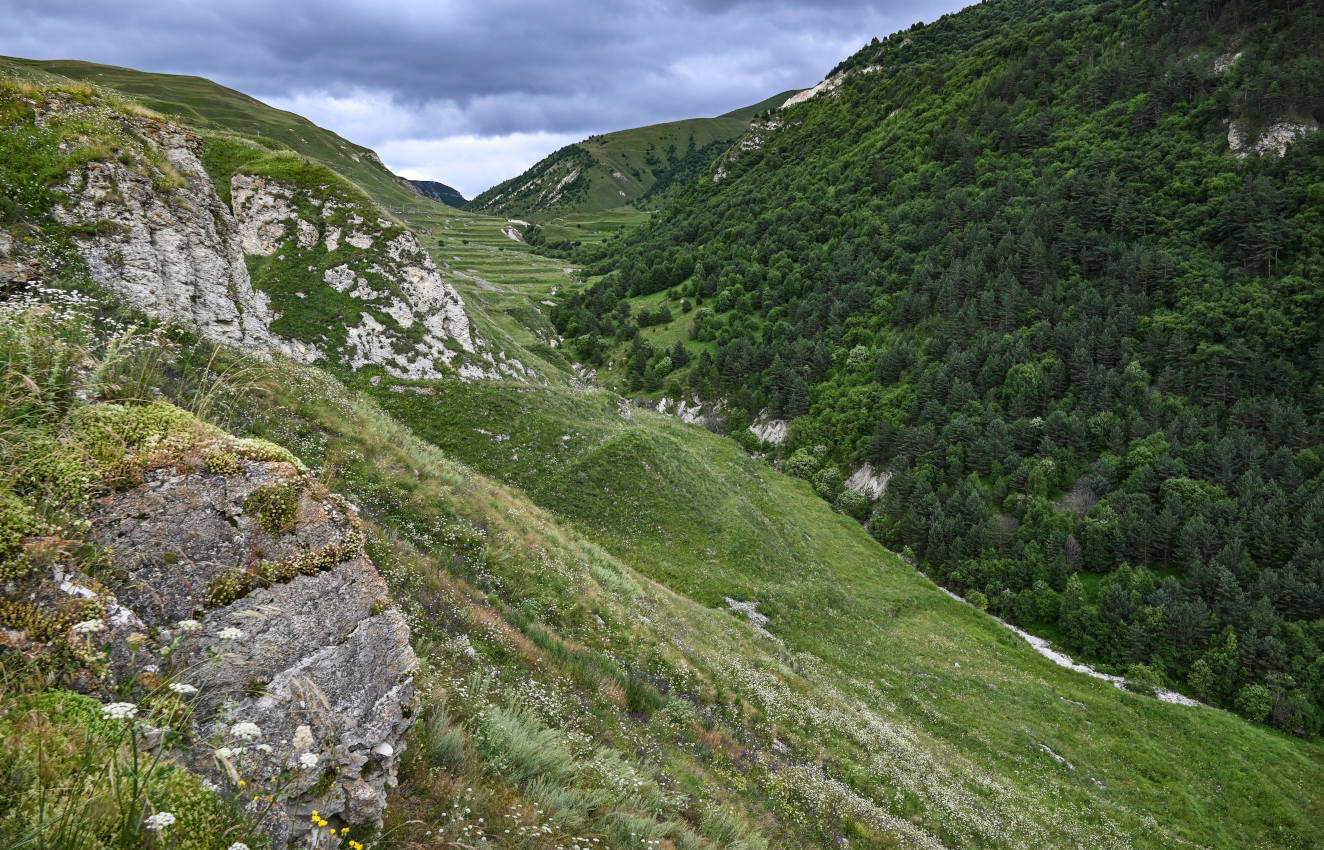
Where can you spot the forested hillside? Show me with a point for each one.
(1060, 268)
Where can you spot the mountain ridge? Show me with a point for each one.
(439, 192)
(639, 165)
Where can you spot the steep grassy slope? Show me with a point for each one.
(205, 105)
(918, 706)
(643, 165)
(1056, 265)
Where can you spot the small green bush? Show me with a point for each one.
(17, 521)
(440, 744)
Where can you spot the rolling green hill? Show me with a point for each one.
(640, 166)
(1057, 266)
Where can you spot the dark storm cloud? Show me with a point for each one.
(407, 73)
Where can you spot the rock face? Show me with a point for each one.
(769, 430)
(402, 315)
(828, 85)
(162, 238)
(868, 481)
(1275, 138)
(323, 667)
(694, 412)
(168, 252)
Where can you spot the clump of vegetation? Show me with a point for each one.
(224, 462)
(276, 506)
(77, 774)
(238, 583)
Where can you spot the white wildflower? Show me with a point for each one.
(182, 688)
(160, 820)
(308, 761)
(246, 731)
(238, 845)
(88, 627)
(119, 711)
(230, 633)
(188, 625)
(224, 752)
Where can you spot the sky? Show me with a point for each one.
(471, 92)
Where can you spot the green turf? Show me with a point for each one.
(973, 702)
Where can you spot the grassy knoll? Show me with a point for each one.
(641, 166)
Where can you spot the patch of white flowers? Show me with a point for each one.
(159, 821)
(246, 731)
(182, 688)
(119, 711)
(230, 633)
(88, 627)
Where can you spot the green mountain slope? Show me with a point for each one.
(1035, 259)
(205, 105)
(643, 165)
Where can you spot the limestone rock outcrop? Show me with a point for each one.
(770, 429)
(154, 230)
(869, 481)
(1274, 139)
(256, 590)
(165, 241)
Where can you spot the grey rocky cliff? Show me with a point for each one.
(695, 412)
(324, 664)
(168, 252)
(769, 429)
(1274, 139)
(163, 239)
(869, 481)
(407, 318)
